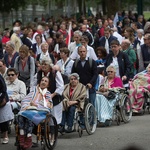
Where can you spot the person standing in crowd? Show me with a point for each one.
(65, 63)
(36, 47)
(6, 37)
(15, 38)
(10, 54)
(90, 51)
(25, 65)
(40, 30)
(106, 39)
(87, 70)
(145, 50)
(77, 37)
(120, 61)
(3, 69)
(140, 24)
(6, 113)
(86, 32)
(125, 45)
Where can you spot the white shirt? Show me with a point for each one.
(66, 70)
(72, 47)
(90, 53)
(16, 89)
(116, 65)
(118, 36)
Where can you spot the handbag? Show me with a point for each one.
(3, 102)
(111, 95)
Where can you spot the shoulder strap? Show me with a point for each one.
(29, 62)
(76, 62)
(67, 62)
(90, 62)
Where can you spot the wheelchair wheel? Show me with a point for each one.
(117, 116)
(126, 108)
(80, 131)
(90, 119)
(50, 132)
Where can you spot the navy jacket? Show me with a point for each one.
(3, 90)
(87, 74)
(145, 54)
(123, 61)
(10, 64)
(102, 40)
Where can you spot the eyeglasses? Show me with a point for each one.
(11, 75)
(73, 79)
(109, 71)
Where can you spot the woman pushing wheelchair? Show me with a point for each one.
(34, 108)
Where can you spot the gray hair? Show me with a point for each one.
(78, 33)
(75, 75)
(40, 27)
(141, 31)
(11, 44)
(110, 66)
(47, 61)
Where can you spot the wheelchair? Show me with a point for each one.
(46, 132)
(89, 117)
(122, 110)
(86, 119)
(146, 104)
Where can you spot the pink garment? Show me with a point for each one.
(117, 82)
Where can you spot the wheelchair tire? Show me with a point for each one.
(90, 119)
(50, 131)
(80, 131)
(126, 109)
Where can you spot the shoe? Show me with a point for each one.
(69, 130)
(5, 141)
(61, 129)
(28, 142)
(21, 140)
(101, 124)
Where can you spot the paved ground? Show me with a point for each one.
(137, 132)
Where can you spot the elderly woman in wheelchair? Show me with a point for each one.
(139, 86)
(74, 96)
(34, 108)
(103, 105)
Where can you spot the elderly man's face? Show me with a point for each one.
(73, 81)
(44, 48)
(82, 52)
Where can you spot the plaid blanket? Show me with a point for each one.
(36, 116)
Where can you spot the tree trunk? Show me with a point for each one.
(112, 7)
(3, 20)
(33, 11)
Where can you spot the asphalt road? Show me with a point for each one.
(136, 132)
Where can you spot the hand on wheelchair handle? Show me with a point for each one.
(89, 85)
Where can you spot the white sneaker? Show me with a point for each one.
(5, 140)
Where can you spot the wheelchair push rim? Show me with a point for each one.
(90, 119)
(126, 109)
(50, 132)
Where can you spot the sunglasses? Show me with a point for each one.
(73, 79)
(109, 71)
(11, 75)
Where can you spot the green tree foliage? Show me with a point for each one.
(8, 5)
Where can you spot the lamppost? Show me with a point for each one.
(140, 7)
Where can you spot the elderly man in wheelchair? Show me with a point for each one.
(34, 109)
(108, 97)
(74, 96)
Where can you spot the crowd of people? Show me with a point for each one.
(39, 67)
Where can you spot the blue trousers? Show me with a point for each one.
(68, 116)
(92, 97)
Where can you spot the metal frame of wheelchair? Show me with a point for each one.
(146, 104)
(90, 119)
(122, 109)
(45, 132)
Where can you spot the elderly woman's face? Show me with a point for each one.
(44, 83)
(44, 48)
(45, 67)
(9, 49)
(73, 81)
(110, 73)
